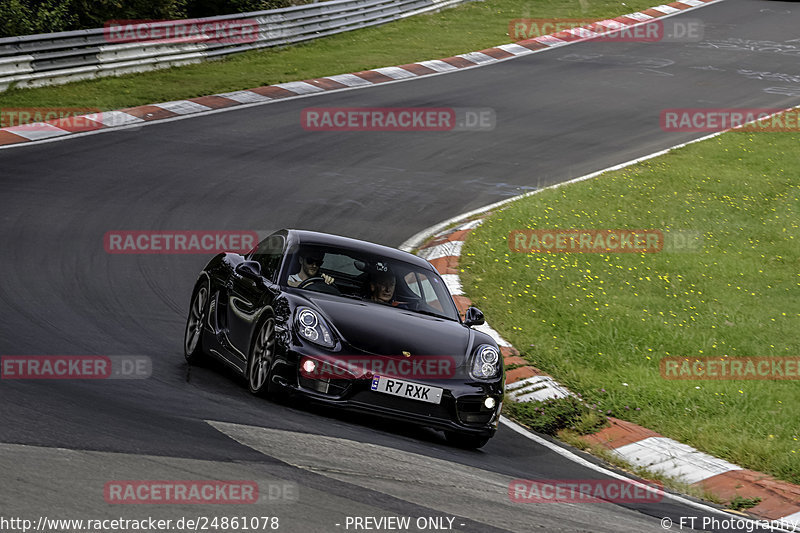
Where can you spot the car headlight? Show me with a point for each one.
(486, 362)
(313, 328)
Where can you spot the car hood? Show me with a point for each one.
(384, 330)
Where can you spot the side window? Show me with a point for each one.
(422, 286)
(269, 254)
(413, 283)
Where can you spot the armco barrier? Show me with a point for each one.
(54, 58)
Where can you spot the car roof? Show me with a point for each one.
(296, 236)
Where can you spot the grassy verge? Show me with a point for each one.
(600, 323)
(474, 26)
(554, 415)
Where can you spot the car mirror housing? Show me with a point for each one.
(249, 269)
(473, 317)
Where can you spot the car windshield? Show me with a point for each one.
(371, 278)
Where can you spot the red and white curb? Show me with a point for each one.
(142, 115)
(638, 446)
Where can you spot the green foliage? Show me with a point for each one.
(24, 17)
(209, 8)
(739, 503)
(552, 415)
(95, 13)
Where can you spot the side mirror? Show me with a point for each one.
(473, 317)
(249, 270)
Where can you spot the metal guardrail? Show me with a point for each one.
(54, 58)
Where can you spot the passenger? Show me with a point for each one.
(310, 263)
(381, 284)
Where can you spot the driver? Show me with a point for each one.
(310, 262)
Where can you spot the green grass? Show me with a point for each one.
(739, 503)
(600, 323)
(556, 414)
(474, 26)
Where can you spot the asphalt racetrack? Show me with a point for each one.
(559, 114)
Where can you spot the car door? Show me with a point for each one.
(247, 296)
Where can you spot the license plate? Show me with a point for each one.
(407, 389)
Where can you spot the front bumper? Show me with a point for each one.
(461, 408)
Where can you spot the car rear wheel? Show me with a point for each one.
(259, 361)
(193, 336)
(462, 440)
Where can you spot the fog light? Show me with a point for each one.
(309, 366)
(489, 402)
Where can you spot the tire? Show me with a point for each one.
(262, 353)
(462, 440)
(193, 334)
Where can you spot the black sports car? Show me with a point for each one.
(351, 324)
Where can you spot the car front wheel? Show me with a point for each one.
(193, 336)
(262, 351)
